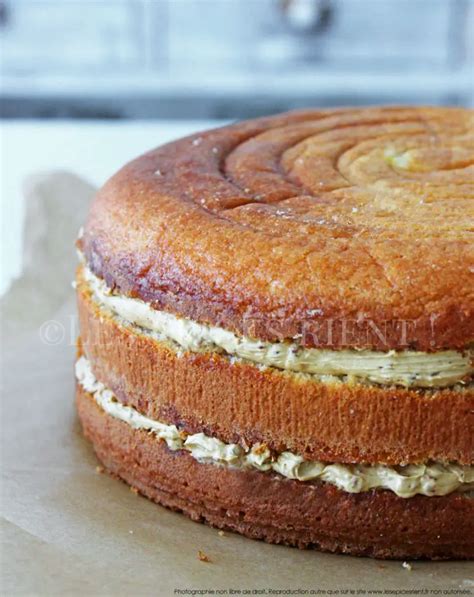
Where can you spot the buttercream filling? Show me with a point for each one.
(406, 368)
(432, 479)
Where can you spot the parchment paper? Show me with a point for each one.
(70, 530)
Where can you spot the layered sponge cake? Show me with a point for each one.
(277, 329)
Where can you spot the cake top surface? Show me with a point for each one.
(342, 228)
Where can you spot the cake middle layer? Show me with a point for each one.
(405, 481)
(320, 418)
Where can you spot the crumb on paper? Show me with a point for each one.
(407, 565)
(99, 469)
(467, 583)
(221, 533)
(134, 490)
(203, 557)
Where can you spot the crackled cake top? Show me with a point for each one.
(343, 228)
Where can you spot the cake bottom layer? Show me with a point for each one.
(267, 506)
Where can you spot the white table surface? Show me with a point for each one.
(93, 150)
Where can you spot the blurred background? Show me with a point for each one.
(86, 85)
(221, 59)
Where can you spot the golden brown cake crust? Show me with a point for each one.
(241, 403)
(266, 506)
(328, 224)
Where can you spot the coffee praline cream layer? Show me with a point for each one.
(406, 368)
